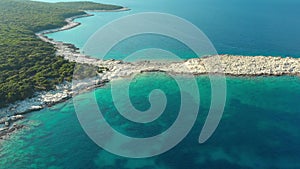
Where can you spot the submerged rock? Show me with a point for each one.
(6, 124)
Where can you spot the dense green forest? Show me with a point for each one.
(28, 64)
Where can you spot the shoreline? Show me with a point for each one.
(114, 10)
(70, 24)
(240, 66)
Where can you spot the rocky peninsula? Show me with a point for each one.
(114, 69)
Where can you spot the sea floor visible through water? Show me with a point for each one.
(259, 129)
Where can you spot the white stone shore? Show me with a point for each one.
(221, 64)
(14, 112)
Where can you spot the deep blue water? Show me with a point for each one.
(260, 125)
(248, 27)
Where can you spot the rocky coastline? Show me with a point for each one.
(115, 10)
(114, 69)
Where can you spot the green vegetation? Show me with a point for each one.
(83, 71)
(28, 64)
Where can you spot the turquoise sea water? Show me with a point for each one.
(259, 129)
(260, 125)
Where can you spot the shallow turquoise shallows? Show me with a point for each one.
(259, 129)
(260, 126)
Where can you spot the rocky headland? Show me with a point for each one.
(114, 69)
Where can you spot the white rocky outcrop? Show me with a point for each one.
(41, 100)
